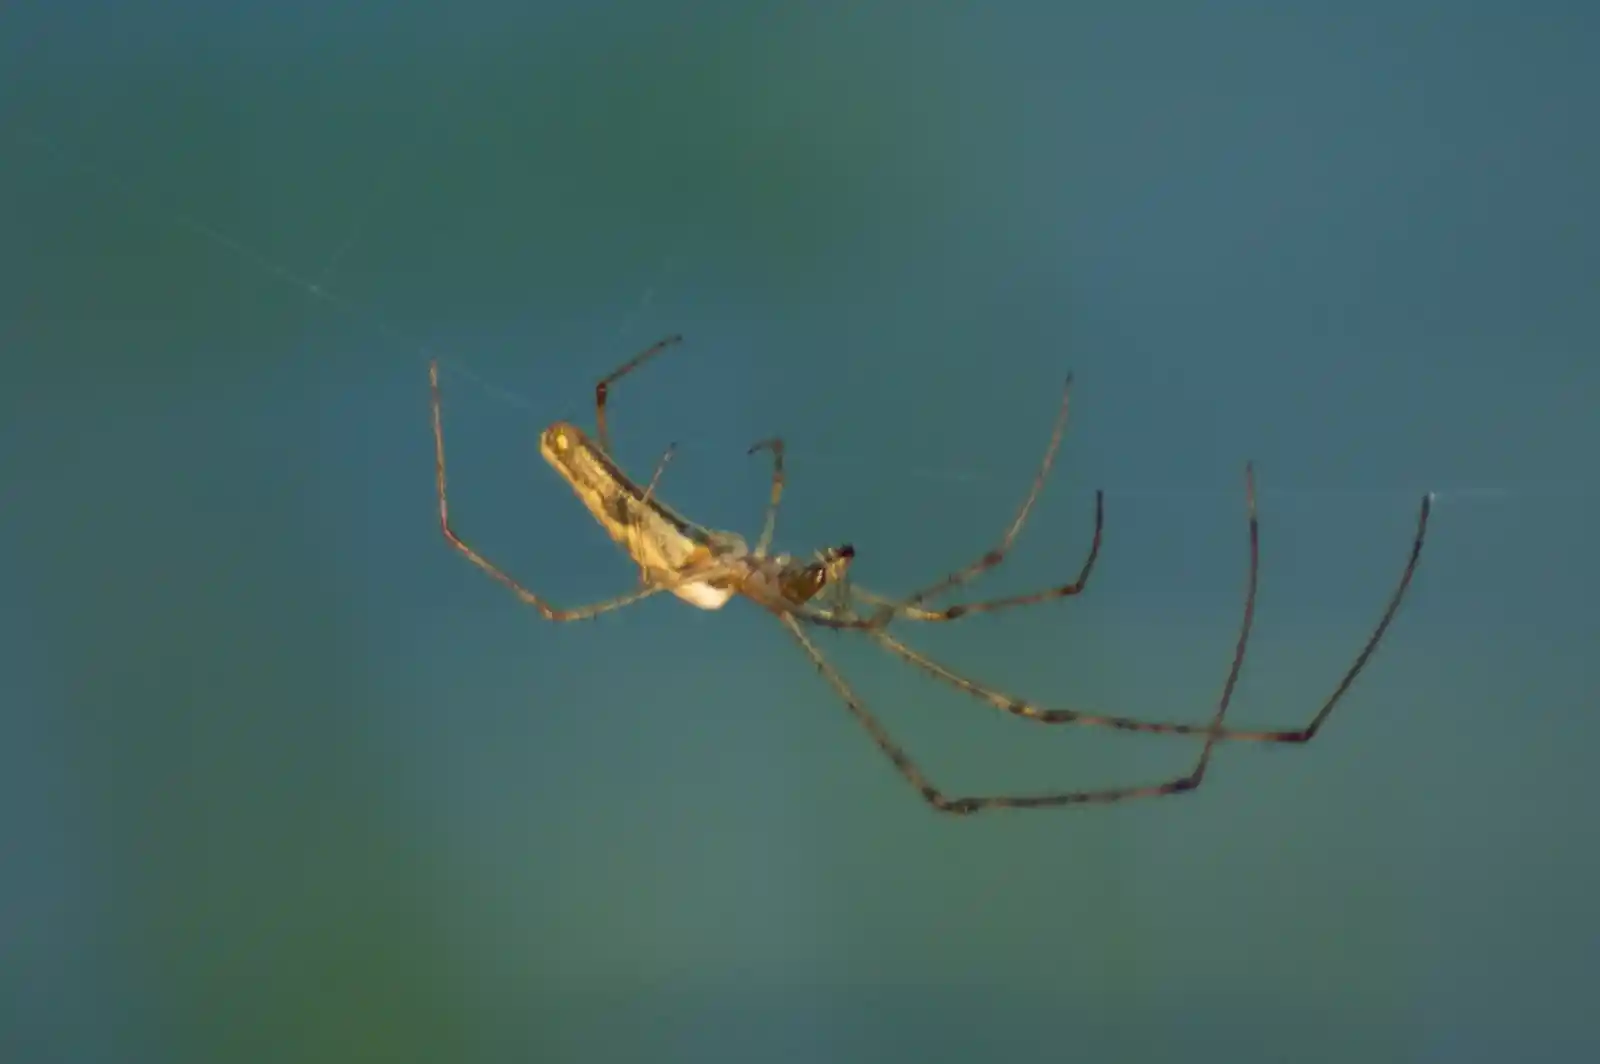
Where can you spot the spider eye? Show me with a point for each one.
(557, 439)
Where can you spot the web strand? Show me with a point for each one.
(151, 205)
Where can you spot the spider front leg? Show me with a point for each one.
(1031, 711)
(1095, 796)
(961, 806)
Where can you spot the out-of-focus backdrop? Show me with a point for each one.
(284, 778)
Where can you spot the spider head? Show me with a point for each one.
(805, 582)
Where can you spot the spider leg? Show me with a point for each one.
(997, 554)
(602, 390)
(1097, 796)
(649, 493)
(956, 611)
(655, 477)
(770, 525)
(944, 803)
(550, 612)
(908, 608)
(1304, 734)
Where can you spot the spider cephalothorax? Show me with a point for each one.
(802, 583)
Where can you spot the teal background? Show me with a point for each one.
(283, 778)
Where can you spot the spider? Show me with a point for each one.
(707, 568)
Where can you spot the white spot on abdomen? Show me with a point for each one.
(704, 595)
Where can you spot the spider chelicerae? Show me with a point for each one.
(706, 568)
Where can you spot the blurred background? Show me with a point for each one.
(284, 778)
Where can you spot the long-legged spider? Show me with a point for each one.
(706, 568)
